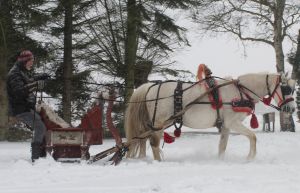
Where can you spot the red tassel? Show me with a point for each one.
(168, 138)
(177, 132)
(267, 100)
(253, 121)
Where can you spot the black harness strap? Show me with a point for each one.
(267, 83)
(180, 113)
(215, 94)
(156, 101)
(178, 105)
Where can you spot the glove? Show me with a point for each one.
(42, 76)
(37, 85)
(31, 101)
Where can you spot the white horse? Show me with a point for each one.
(139, 115)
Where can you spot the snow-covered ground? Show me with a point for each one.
(190, 166)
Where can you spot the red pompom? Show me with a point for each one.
(177, 132)
(254, 122)
(168, 138)
(267, 100)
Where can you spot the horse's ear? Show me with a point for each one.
(283, 78)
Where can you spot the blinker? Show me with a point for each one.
(286, 90)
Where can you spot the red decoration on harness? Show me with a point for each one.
(247, 110)
(214, 103)
(202, 73)
(177, 132)
(267, 100)
(253, 121)
(244, 108)
(168, 138)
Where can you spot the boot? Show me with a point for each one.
(43, 152)
(35, 151)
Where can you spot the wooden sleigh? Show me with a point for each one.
(67, 143)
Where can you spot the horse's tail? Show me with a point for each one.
(136, 120)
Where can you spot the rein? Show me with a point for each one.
(161, 98)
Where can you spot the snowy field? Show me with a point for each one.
(190, 166)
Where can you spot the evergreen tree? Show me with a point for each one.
(127, 37)
(130, 39)
(69, 70)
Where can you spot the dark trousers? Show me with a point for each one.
(35, 122)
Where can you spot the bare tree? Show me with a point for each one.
(265, 21)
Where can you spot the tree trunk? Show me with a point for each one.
(286, 120)
(296, 75)
(130, 47)
(3, 95)
(278, 36)
(4, 15)
(67, 61)
(141, 72)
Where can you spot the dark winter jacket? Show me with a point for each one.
(20, 98)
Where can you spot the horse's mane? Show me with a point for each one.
(228, 77)
(260, 73)
(52, 115)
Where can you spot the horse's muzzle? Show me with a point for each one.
(285, 106)
(288, 109)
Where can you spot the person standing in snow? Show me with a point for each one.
(22, 85)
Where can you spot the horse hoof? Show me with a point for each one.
(250, 158)
(221, 156)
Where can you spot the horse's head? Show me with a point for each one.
(283, 93)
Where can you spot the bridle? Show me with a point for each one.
(285, 90)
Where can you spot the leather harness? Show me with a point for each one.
(213, 89)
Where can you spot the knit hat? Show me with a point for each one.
(25, 56)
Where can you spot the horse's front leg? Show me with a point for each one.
(223, 141)
(241, 129)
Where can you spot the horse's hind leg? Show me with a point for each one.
(223, 142)
(142, 152)
(240, 128)
(154, 142)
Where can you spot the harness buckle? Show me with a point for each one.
(219, 123)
